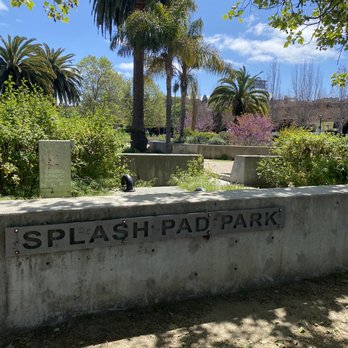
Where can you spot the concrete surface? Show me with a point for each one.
(55, 168)
(47, 288)
(212, 151)
(244, 171)
(221, 167)
(155, 167)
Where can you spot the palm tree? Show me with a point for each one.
(237, 92)
(173, 20)
(20, 60)
(111, 16)
(193, 88)
(67, 81)
(197, 54)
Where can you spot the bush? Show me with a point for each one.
(197, 137)
(217, 140)
(251, 130)
(25, 118)
(96, 151)
(306, 159)
(195, 176)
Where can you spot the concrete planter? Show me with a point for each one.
(156, 167)
(212, 151)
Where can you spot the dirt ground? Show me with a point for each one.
(309, 313)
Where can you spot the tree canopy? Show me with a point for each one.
(58, 10)
(326, 20)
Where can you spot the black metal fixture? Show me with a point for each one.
(127, 184)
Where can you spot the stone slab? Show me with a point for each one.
(55, 168)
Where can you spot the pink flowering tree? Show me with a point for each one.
(251, 130)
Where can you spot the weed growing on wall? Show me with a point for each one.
(195, 176)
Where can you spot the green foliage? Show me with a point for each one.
(327, 20)
(97, 145)
(25, 118)
(196, 176)
(237, 93)
(22, 60)
(306, 159)
(103, 87)
(217, 140)
(58, 10)
(196, 137)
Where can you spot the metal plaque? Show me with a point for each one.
(27, 240)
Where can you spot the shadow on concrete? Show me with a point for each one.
(310, 313)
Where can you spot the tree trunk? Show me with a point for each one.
(169, 76)
(194, 112)
(183, 89)
(139, 140)
(217, 121)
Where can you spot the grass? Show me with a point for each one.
(195, 176)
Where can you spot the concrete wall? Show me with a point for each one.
(244, 171)
(45, 288)
(212, 151)
(157, 167)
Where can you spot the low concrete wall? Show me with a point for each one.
(156, 167)
(43, 288)
(244, 171)
(212, 151)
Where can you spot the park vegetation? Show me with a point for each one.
(304, 159)
(43, 95)
(27, 115)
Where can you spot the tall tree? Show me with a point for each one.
(274, 83)
(193, 89)
(20, 60)
(306, 85)
(111, 17)
(237, 93)
(342, 97)
(67, 80)
(173, 19)
(102, 84)
(196, 54)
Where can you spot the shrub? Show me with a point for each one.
(216, 140)
(195, 176)
(96, 151)
(25, 118)
(197, 137)
(306, 159)
(251, 130)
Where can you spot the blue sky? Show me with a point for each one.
(252, 43)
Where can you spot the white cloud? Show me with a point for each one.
(3, 7)
(263, 43)
(234, 63)
(125, 66)
(19, 20)
(249, 20)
